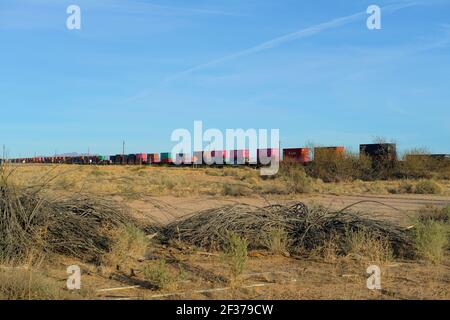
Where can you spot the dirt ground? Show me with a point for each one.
(398, 208)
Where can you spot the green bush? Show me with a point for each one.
(158, 274)
(431, 239)
(236, 254)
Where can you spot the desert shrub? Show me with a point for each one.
(403, 187)
(295, 177)
(427, 187)
(367, 245)
(332, 167)
(236, 254)
(431, 239)
(435, 213)
(274, 188)
(418, 164)
(277, 241)
(158, 274)
(235, 190)
(128, 241)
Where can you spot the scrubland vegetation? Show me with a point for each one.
(57, 216)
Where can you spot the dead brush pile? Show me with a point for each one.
(77, 226)
(306, 228)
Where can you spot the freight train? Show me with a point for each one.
(377, 152)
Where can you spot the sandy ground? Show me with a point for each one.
(398, 208)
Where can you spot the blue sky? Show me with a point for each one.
(137, 70)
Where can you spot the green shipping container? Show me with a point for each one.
(166, 155)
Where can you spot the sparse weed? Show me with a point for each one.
(158, 274)
(236, 254)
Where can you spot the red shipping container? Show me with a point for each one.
(167, 160)
(298, 155)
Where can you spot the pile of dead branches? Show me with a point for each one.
(77, 226)
(307, 228)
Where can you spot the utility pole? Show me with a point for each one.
(123, 152)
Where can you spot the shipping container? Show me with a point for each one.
(153, 158)
(166, 157)
(140, 158)
(328, 153)
(379, 151)
(297, 155)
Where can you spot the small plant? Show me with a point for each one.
(428, 187)
(277, 241)
(367, 245)
(158, 274)
(431, 239)
(129, 241)
(236, 254)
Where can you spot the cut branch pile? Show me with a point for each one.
(78, 226)
(306, 228)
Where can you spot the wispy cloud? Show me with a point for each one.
(299, 34)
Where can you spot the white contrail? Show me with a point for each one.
(303, 33)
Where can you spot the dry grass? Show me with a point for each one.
(22, 284)
(138, 183)
(366, 245)
(428, 187)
